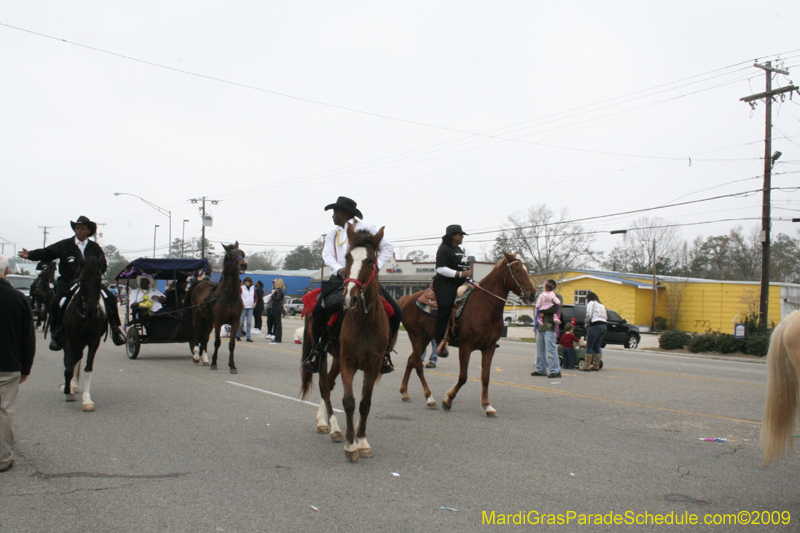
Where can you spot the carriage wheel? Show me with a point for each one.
(133, 344)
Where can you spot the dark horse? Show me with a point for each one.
(216, 304)
(43, 292)
(85, 323)
(362, 343)
(480, 326)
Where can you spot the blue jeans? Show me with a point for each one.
(569, 357)
(247, 315)
(547, 353)
(594, 337)
(433, 358)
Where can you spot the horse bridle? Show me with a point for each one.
(508, 270)
(363, 286)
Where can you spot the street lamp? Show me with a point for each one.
(155, 231)
(167, 213)
(183, 236)
(653, 314)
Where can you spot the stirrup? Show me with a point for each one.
(386, 364)
(314, 362)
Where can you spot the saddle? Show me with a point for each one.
(427, 300)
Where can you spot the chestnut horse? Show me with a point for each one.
(480, 326)
(215, 304)
(362, 343)
(85, 323)
(780, 408)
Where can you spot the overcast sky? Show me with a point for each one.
(427, 113)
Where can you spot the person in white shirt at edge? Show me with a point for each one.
(248, 294)
(146, 293)
(596, 318)
(345, 212)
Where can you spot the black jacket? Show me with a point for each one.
(69, 256)
(17, 340)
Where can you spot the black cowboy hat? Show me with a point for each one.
(345, 204)
(452, 229)
(85, 220)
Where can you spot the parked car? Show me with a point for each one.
(293, 306)
(21, 282)
(619, 331)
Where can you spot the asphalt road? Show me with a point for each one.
(173, 446)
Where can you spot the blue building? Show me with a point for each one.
(298, 282)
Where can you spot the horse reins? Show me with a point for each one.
(519, 286)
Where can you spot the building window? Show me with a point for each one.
(580, 297)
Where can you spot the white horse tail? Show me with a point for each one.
(780, 408)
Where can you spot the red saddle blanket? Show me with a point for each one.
(310, 300)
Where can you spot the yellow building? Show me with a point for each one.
(699, 305)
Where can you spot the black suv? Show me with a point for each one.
(619, 331)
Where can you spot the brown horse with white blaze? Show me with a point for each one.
(781, 405)
(480, 327)
(216, 304)
(362, 343)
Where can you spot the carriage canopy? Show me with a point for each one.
(163, 268)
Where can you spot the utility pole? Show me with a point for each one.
(203, 199)
(769, 159)
(44, 237)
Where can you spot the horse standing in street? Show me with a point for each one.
(362, 344)
(216, 304)
(85, 323)
(480, 327)
(43, 293)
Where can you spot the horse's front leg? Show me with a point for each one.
(70, 386)
(232, 345)
(88, 405)
(415, 363)
(486, 362)
(364, 449)
(349, 403)
(463, 360)
(217, 343)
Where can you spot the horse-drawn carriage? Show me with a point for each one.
(167, 325)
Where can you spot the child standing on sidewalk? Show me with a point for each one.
(567, 341)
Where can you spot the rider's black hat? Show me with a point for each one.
(345, 204)
(85, 220)
(452, 229)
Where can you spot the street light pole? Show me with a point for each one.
(166, 212)
(155, 231)
(183, 236)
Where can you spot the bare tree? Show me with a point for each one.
(546, 240)
(673, 297)
(635, 254)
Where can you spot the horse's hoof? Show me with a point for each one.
(337, 436)
(446, 405)
(323, 429)
(195, 359)
(352, 456)
(206, 363)
(366, 453)
(69, 397)
(88, 407)
(491, 412)
(405, 397)
(75, 390)
(234, 371)
(432, 403)
(213, 367)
